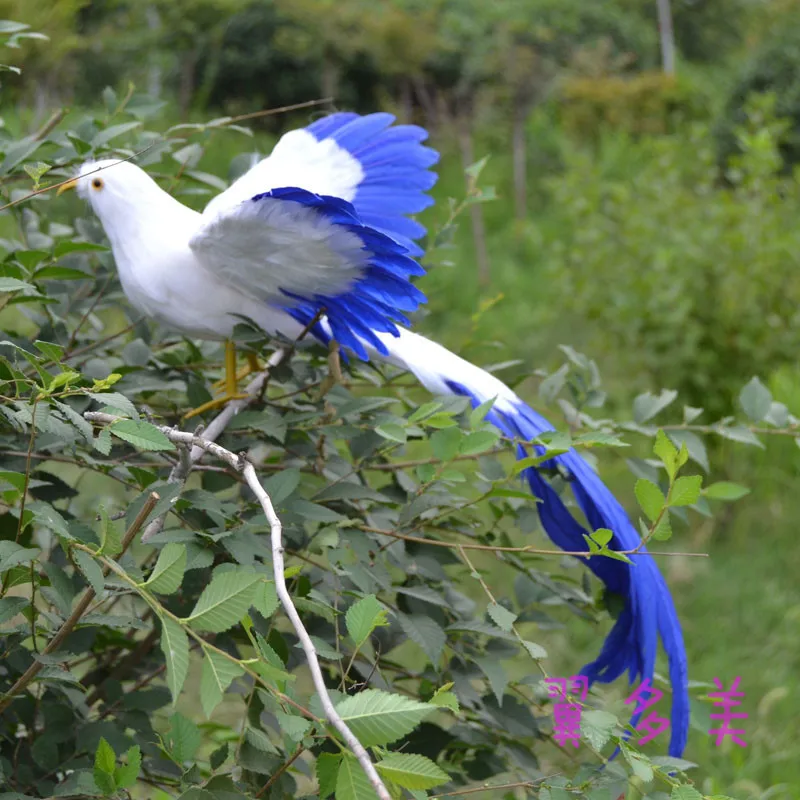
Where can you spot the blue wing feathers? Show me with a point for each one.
(375, 301)
(395, 166)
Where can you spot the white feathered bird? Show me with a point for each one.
(322, 224)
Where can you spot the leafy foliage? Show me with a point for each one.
(401, 517)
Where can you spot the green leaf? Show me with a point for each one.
(496, 674)
(327, 769)
(91, 570)
(478, 442)
(412, 771)
(478, 414)
(110, 534)
(392, 431)
(363, 617)
(685, 793)
(663, 531)
(224, 601)
(184, 738)
(175, 645)
(424, 411)
(293, 726)
(168, 572)
(756, 400)
(501, 616)
(597, 727)
(142, 435)
(534, 650)
(281, 486)
(667, 452)
(445, 443)
(650, 498)
(13, 554)
(10, 607)
(725, 490)
(640, 765)
(444, 698)
(117, 401)
(379, 718)
(425, 632)
(104, 762)
(265, 599)
(647, 405)
(686, 490)
(352, 783)
(218, 672)
(126, 774)
(14, 285)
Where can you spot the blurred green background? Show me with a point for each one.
(644, 215)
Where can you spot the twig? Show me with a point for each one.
(79, 611)
(248, 471)
(281, 769)
(524, 549)
(493, 787)
(48, 126)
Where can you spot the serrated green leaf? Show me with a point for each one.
(363, 617)
(650, 498)
(142, 435)
(379, 718)
(293, 726)
(110, 534)
(13, 554)
(265, 599)
(352, 783)
(496, 675)
(412, 771)
(281, 486)
(640, 765)
(224, 601)
(685, 793)
(216, 677)
(686, 490)
(126, 774)
(104, 762)
(327, 768)
(116, 401)
(597, 727)
(647, 405)
(444, 698)
(478, 414)
(91, 570)
(667, 452)
(725, 490)
(183, 739)
(502, 617)
(425, 632)
(168, 572)
(535, 650)
(175, 645)
(663, 531)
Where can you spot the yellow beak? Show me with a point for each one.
(68, 185)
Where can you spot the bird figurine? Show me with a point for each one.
(318, 235)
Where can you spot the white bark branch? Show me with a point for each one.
(242, 465)
(180, 472)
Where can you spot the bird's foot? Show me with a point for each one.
(217, 402)
(253, 365)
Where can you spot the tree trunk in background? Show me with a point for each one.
(330, 77)
(186, 86)
(520, 161)
(667, 34)
(464, 125)
(406, 100)
(154, 73)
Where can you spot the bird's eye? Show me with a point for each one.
(97, 183)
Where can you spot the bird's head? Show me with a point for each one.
(123, 196)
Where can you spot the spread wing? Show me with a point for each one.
(382, 169)
(305, 253)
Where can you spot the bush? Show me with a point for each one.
(681, 282)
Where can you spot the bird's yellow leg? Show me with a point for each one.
(253, 365)
(231, 384)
